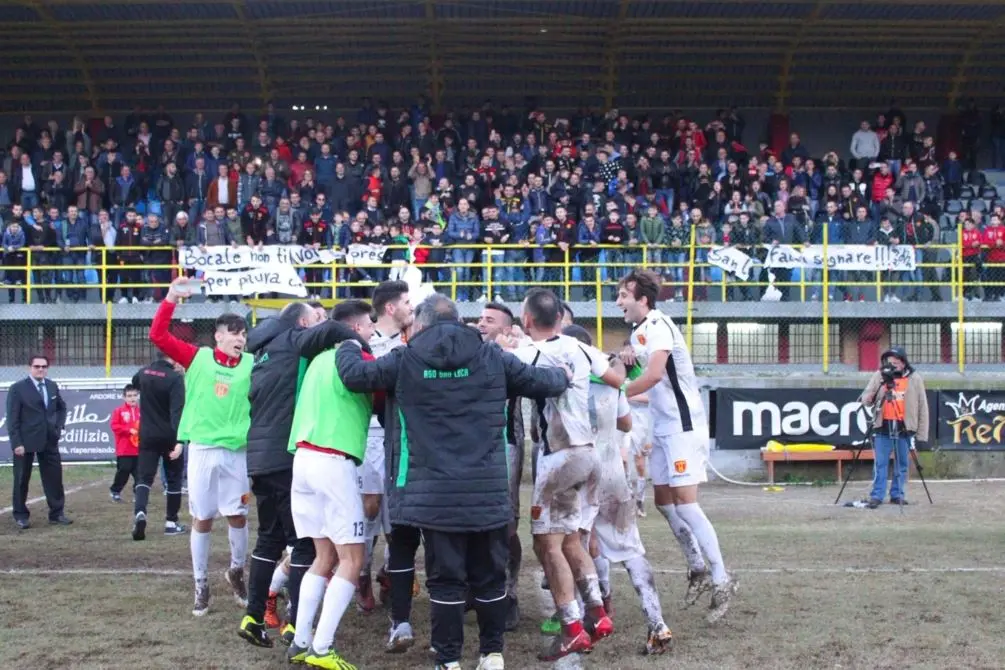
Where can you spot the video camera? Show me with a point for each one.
(890, 374)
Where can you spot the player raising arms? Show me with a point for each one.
(680, 434)
(567, 465)
(215, 422)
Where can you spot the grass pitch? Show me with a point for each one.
(820, 587)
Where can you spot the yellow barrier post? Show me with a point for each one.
(826, 289)
(108, 339)
(453, 284)
(487, 266)
(567, 272)
(254, 316)
(600, 311)
(690, 290)
(960, 345)
(104, 275)
(27, 277)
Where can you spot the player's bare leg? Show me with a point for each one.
(365, 600)
(550, 550)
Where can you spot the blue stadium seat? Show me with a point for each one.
(954, 207)
(967, 193)
(989, 193)
(978, 205)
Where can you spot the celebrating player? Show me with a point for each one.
(568, 464)
(215, 422)
(328, 439)
(680, 435)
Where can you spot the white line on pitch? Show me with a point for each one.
(75, 489)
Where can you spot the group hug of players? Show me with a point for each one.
(271, 404)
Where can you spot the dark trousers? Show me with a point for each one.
(275, 532)
(151, 455)
(462, 563)
(50, 467)
(403, 543)
(125, 467)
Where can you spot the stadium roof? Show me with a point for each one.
(77, 55)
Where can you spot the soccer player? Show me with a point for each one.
(497, 321)
(680, 435)
(215, 422)
(568, 463)
(393, 308)
(615, 530)
(162, 397)
(640, 438)
(328, 440)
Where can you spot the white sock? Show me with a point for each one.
(312, 590)
(545, 600)
(387, 551)
(640, 489)
(199, 545)
(603, 567)
(704, 533)
(338, 595)
(238, 546)
(686, 539)
(641, 574)
(279, 579)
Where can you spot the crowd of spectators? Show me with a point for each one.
(594, 188)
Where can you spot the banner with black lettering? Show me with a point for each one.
(282, 279)
(87, 436)
(858, 257)
(971, 420)
(365, 255)
(239, 258)
(748, 418)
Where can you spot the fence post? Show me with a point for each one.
(27, 278)
(689, 328)
(487, 266)
(104, 275)
(826, 289)
(567, 274)
(960, 344)
(108, 339)
(600, 311)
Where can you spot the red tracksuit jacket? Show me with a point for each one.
(124, 421)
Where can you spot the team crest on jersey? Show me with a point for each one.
(642, 339)
(535, 512)
(221, 389)
(680, 467)
(244, 499)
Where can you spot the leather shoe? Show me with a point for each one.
(61, 520)
(22, 524)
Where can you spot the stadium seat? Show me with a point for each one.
(967, 193)
(1001, 192)
(989, 193)
(978, 205)
(954, 207)
(948, 235)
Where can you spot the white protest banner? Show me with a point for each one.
(365, 255)
(239, 258)
(282, 279)
(731, 260)
(869, 258)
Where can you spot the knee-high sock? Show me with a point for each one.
(603, 575)
(199, 544)
(641, 574)
(173, 505)
(312, 590)
(260, 574)
(544, 597)
(705, 535)
(685, 537)
(141, 494)
(238, 545)
(338, 595)
(279, 579)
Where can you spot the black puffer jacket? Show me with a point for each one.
(446, 424)
(282, 352)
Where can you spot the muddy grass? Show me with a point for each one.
(821, 587)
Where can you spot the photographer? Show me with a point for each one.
(900, 416)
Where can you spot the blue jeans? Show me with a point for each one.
(665, 195)
(894, 167)
(29, 200)
(515, 274)
(75, 259)
(417, 205)
(678, 264)
(462, 260)
(194, 212)
(884, 446)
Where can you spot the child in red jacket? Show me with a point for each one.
(125, 424)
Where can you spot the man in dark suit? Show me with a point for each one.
(36, 414)
(783, 228)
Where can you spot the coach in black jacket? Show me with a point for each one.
(446, 460)
(36, 415)
(283, 346)
(162, 398)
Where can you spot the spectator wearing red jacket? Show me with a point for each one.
(993, 239)
(881, 181)
(125, 425)
(971, 258)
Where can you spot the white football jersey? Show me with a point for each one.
(675, 402)
(381, 345)
(565, 420)
(607, 405)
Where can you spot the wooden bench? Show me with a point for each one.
(839, 456)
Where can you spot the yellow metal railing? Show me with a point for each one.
(577, 274)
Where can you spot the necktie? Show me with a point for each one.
(45, 395)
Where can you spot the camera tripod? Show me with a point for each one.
(869, 439)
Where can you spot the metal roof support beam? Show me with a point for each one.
(612, 54)
(974, 47)
(264, 83)
(434, 71)
(66, 37)
(785, 74)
